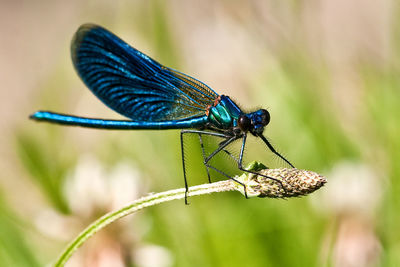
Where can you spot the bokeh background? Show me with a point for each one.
(328, 72)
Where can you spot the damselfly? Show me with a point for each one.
(155, 97)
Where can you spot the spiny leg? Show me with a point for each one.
(184, 169)
(230, 155)
(273, 150)
(225, 143)
(240, 165)
(221, 147)
(228, 140)
(183, 154)
(233, 157)
(228, 176)
(204, 157)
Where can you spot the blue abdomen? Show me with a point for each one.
(195, 122)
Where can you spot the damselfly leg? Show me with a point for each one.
(222, 147)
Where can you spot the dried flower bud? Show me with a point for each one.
(285, 183)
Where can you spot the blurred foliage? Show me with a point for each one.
(46, 168)
(14, 250)
(308, 124)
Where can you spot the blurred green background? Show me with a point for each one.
(328, 72)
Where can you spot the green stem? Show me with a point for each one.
(273, 183)
(139, 204)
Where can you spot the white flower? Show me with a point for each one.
(152, 256)
(90, 188)
(353, 188)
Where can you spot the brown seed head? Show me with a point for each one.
(285, 183)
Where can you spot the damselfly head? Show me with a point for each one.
(254, 121)
(263, 117)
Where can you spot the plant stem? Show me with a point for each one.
(147, 201)
(272, 183)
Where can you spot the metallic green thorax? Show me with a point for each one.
(224, 114)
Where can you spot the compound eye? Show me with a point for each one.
(265, 117)
(244, 123)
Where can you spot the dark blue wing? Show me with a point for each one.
(132, 83)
